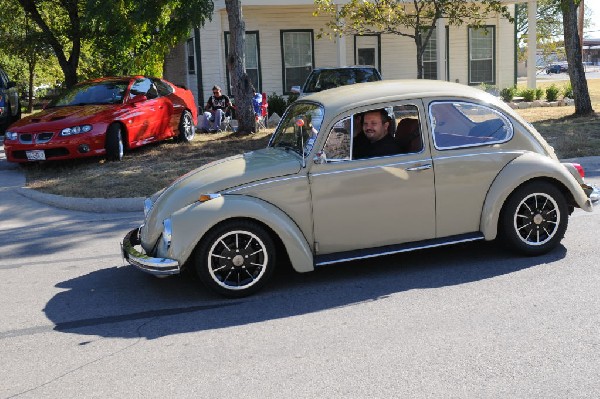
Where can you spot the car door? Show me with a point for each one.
(147, 123)
(467, 152)
(166, 113)
(372, 202)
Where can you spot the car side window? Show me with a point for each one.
(337, 146)
(464, 124)
(163, 88)
(408, 133)
(141, 87)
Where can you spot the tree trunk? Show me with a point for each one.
(69, 67)
(240, 82)
(31, 70)
(583, 104)
(419, 44)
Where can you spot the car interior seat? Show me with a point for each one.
(408, 134)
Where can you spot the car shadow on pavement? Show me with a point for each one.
(123, 302)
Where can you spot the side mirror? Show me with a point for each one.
(320, 158)
(137, 99)
(296, 89)
(10, 84)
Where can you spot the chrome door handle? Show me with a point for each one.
(418, 168)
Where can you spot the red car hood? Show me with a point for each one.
(61, 117)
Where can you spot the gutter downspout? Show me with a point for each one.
(199, 82)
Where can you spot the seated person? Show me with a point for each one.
(257, 104)
(216, 107)
(375, 139)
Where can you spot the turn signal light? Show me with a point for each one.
(579, 169)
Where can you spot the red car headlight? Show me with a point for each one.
(69, 131)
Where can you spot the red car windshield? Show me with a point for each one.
(109, 92)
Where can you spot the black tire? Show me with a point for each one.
(235, 259)
(114, 143)
(187, 130)
(534, 218)
(18, 115)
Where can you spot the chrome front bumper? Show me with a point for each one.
(595, 195)
(156, 266)
(592, 192)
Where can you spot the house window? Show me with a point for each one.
(430, 56)
(252, 51)
(481, 55)
(297, 54)
(191, 62)
(367, 50)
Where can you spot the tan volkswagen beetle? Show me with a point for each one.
(361, 171)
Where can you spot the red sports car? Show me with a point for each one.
(103, 117)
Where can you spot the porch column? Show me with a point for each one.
(441, 56)
(531, 43)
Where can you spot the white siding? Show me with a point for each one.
(398, 59)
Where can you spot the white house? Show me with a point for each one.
(282, 48)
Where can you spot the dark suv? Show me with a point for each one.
(328, 78)
(10, 107)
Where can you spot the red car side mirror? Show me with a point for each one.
(137, 99)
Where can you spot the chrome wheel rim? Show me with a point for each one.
(188, 127)
(537, 219)
(237, 260)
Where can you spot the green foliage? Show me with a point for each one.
(528, 94)
(508, 93)
(539, 93)
(92, 38)
(552, 92)
(567, 90)
(277, 104)
(415, 19)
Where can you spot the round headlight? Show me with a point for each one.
(10, 135)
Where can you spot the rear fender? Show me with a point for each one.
(191, 223)
(522, 169)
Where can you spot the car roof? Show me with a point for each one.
(345, 67)
(337, 98)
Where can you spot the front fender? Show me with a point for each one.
(526, 167)
(191, 223)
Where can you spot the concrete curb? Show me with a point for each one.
(97, 205)
(591, 166)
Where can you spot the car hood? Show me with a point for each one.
(59, 117)
(216, 177)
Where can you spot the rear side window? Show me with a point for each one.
(463, 124)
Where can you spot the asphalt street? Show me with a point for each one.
(467, 321)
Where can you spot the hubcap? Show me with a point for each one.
(237, 260)
(536, 219)
(188, 127)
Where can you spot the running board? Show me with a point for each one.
(328, 259)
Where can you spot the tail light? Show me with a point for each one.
(579, 169)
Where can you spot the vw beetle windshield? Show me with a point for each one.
(299, 128)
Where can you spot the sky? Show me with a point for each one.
(594, 30)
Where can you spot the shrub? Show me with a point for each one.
(528, 94)
(277, 104)
(552, 92)
(567, 90)
(508, 93)
(539, 93)
(291, 98)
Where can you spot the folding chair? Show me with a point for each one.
(262, 118)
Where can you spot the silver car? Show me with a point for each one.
(456, 165)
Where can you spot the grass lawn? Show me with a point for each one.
(149, 169)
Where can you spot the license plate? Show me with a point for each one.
(36, 155)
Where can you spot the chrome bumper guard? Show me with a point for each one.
(156, 266)
(595, 195)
